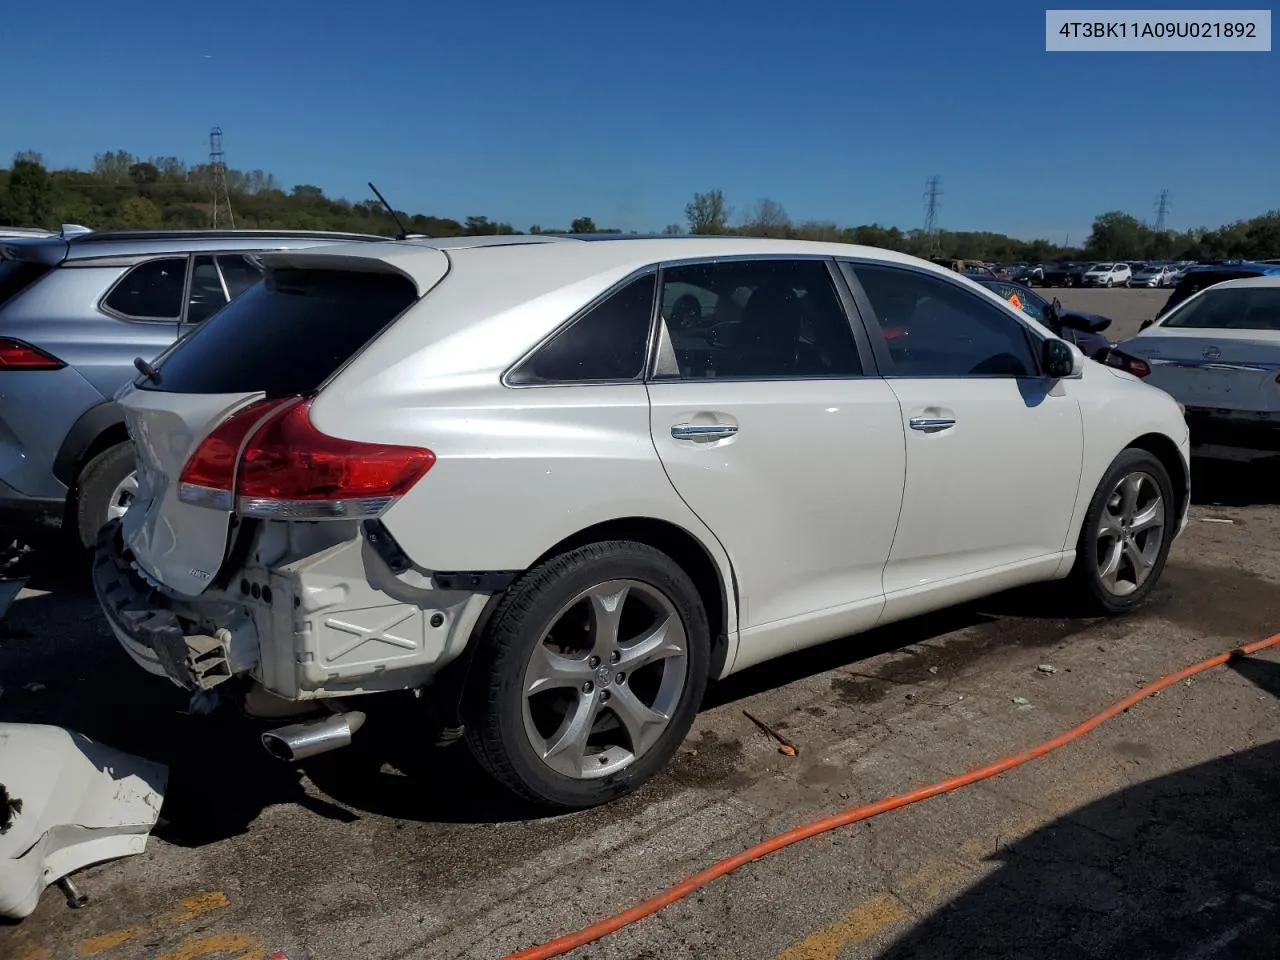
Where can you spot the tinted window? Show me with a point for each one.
(17, 275)
(934, 328)
(151, 290)
(286, 335)
(239, 274)
(608, 342)
(758, 318)
(1233, 308)
(206, 297)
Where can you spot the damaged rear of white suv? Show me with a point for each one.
(294, 543)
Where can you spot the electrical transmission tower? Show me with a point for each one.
(1162, 210)
(220, 212)
(932, 191)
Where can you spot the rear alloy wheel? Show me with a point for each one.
(589, 675)
(1126, 536)
(104, 491)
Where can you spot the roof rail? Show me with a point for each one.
(97, 236)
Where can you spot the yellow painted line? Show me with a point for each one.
(861, 923)
(92, 946)
(191, 907)
(211, 946)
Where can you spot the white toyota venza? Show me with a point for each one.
(556, 485)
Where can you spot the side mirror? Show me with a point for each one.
(1060, 359)
(1057, 305)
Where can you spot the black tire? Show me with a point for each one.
(493, 705)
(1085, 584)
(97, 482)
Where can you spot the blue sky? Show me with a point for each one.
(540, 112)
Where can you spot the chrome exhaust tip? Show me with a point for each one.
(301, 740)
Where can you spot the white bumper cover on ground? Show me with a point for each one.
(71, 803)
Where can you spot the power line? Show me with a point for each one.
(932, 193)
(221, 207)
(1162, 210)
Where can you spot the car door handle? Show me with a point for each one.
(931, 423)
(703, 431)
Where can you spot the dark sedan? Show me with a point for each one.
(1082, 329)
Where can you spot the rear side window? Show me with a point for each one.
(1233, 308)
(17, 275)
(607, 343)
(286, 335)
(150, 291)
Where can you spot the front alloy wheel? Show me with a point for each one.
(1130, 534)
(1126, 534)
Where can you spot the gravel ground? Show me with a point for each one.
(1155, 836)
(1126, 308)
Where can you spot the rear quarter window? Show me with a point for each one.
(286, 335)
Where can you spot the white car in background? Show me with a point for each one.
(500, 472)
(1155, 275)
(1107, 275)
(1218, 354)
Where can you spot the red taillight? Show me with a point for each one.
(289, 470)
(208, 479)
(1123, 361)
(16, 355)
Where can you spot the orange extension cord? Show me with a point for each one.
(602, 928)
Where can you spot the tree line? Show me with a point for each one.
(124, 191)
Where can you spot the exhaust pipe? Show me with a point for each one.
(301, 740)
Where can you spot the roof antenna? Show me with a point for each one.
(404, 233)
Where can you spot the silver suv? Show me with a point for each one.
(76, 310)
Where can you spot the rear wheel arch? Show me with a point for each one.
(98, 428)
(682, 547)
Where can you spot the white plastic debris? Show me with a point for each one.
(69, 802)
(1047, 668)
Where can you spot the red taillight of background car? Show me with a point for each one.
(281, 467)
(1129, 364)
(16, 355)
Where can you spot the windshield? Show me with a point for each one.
(1100, 268)
(1232, 308)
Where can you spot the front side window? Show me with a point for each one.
(1233, 308)
(941, 330)
(150, 291)
(758, 319)
(608, 343)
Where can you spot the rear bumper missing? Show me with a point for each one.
(149, 628)
(328, 617)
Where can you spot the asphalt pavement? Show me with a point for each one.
(1155, 836)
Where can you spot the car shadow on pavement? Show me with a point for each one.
(1222, 483)
(1185, 865)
